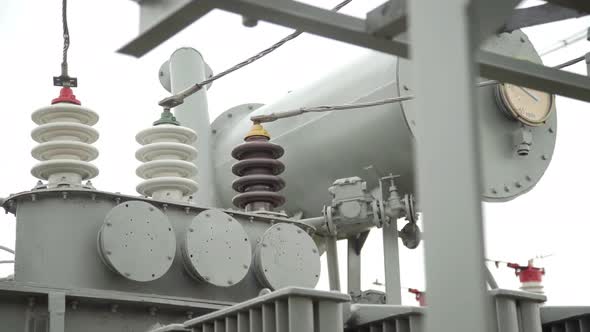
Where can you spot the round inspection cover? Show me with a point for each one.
(137, 241)
(287, 256)
(505, 175)
(216, 249)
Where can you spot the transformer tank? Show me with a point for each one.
(382, 136)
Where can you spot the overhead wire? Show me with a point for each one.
(7, 249)
(576, 37)
(178, 98)
(66, 38)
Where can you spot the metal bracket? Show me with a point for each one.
(359, 241)
(388, 20)
(65, 81)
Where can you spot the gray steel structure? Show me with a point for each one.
(136, 264)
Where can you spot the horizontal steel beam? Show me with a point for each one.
(581, 5)
(546, 13)
(388, 20)
(532, 75)
(160, 20)
(314, 20)
(352, 30)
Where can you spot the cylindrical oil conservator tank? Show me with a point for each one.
(322, 147)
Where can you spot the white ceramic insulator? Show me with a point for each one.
(167, 154)
(65, 135)
(533, 287)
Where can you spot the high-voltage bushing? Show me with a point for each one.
(216, 249)
(137, 241)
(166, 154)
(257, 168)
(65, 135)
(287, 256)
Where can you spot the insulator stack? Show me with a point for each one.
(258, 170)
(166, 154)
(65, 135)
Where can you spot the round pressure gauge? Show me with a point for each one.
(528, 106)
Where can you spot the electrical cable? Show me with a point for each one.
(328, 108)
(66, 38)
(571, 62)
(6, 262)
(576, 37)
(178, 98)
(7, 249)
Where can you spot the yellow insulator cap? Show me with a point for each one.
(257, 130)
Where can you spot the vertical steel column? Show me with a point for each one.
(56, 305)
(353, 268)
(187, 67)
(393, 290)
(448, 165)
(333, 266)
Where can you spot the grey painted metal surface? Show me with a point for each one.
(217, 249)
(32, 308)
(352, 30)
(449, 165)
(504, 174)
(44, 216)
(289, 310)
(353, 136)
(333, 265)
(287, 256)
(393, 288)
(134, 232)
(515, 311)
(187, 67)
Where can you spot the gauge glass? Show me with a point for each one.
(526, 105)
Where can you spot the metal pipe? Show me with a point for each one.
(186, 67)
(333, 267)
(317, 222)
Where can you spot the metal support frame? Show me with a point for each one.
(389, 19)
(57, 310)
(448, 163)
(393, 290)
(580, 5)
(355, 246)
(333, 266)
(542, 14)
(352, 30)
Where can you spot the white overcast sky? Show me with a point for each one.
(549, 220)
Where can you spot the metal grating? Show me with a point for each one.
(516, 311)
(308, 310)
(286, 310)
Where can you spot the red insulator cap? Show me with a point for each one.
(66, 95)
(531, 274)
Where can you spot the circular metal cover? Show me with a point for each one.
(137, 241)
(216, 249)
(505, 175)
(287, 256)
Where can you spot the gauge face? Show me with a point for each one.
(526, 105)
